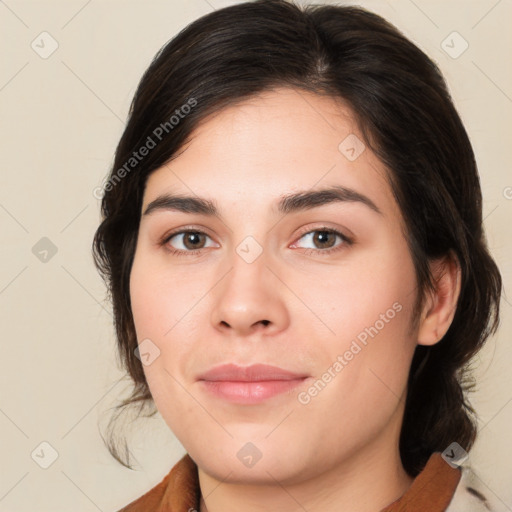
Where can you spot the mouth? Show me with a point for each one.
(250, 384)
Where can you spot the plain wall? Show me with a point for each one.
(61, 117)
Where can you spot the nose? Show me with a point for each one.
(250, 299)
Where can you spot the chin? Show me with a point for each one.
(258, 462)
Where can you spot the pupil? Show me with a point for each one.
(321, 235)
(193, 235)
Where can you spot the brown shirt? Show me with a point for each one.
(431, 491)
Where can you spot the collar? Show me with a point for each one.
(431, 491)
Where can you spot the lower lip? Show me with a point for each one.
(250, 392)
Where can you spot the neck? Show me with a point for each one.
(367, 482)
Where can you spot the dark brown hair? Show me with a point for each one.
(406, 116)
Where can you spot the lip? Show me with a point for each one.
(253, 373)
(249, 384)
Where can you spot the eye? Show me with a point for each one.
(325, 238)
(191, 242)
(187, 242)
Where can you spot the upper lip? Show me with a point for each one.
(253, 373)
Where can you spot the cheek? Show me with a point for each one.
(373, 292)
(159, 306)
(361, 383)
(160, 299)
(369, 310)
(166, 307)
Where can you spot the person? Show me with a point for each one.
(292, 239)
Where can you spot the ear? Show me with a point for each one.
(439, 309)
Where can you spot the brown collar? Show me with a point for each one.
(431, 491)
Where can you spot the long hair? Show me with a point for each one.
(407, 118)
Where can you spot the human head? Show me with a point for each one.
(404, 115)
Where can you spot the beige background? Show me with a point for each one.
(61, 119)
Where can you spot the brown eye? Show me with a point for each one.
(193, 240)
(324, 239)
(187, 241)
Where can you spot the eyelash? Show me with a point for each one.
(180, 252)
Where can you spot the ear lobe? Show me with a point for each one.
(439, 309)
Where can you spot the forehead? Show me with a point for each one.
(278, 142)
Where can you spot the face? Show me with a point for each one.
(320, 286)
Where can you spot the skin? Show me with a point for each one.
(205, 309)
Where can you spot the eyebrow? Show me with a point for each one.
(298, 201)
